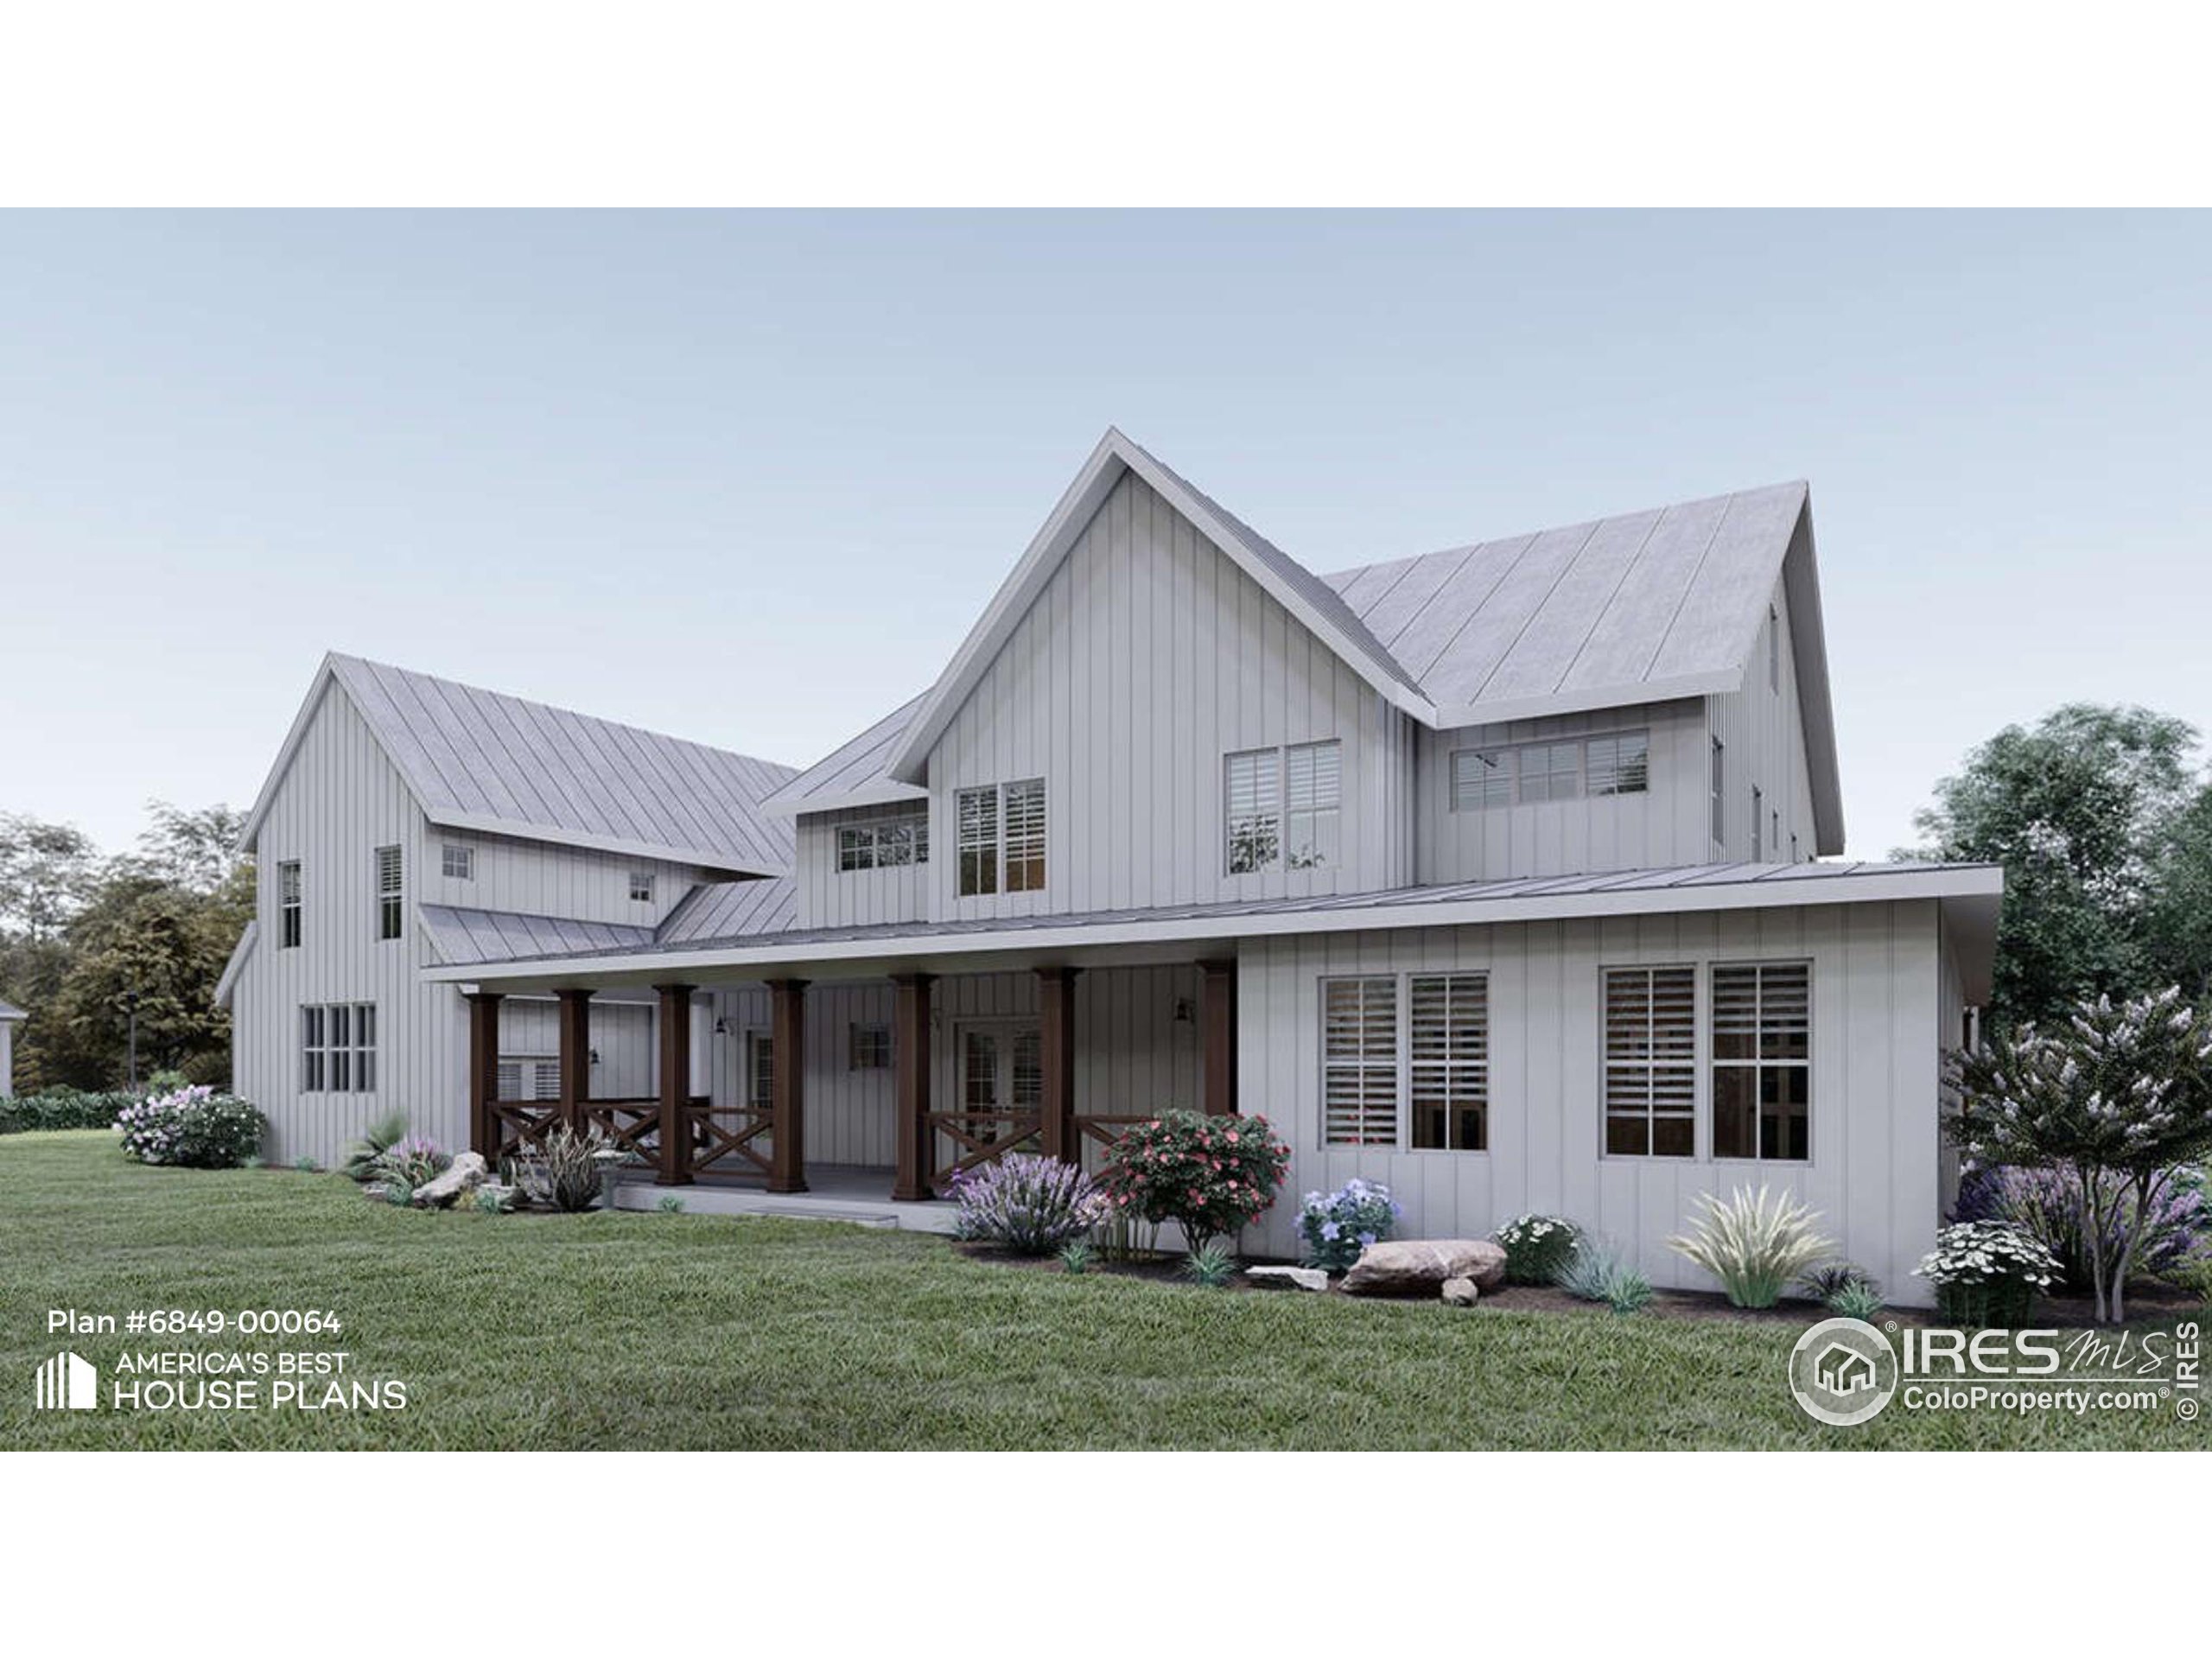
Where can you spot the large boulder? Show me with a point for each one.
(1419, 1267)
(466, 1173)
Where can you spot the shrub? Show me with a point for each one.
(397, 1194)
(361, 1157)
(1825, 1284)
(1986, 1273)
(1860, 1298)
(192, 1128)
(1075, 1255)
(411, 1161)
(563, 1170)
(1028, 1202)
(62, 1108)
(1755, 1246)
(670, 1205)
(2050, 1204)
(1595, 1273)
(306, 1166)
(1338, 1228)
(1536, 1247)
(494, 1199)
(1210, 1175)
(1213, 1264)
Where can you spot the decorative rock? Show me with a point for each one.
(1288, 1278)
(1461, 1292)
(466, 1172)
(1419, 1267)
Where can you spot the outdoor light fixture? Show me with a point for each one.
(722, 1027)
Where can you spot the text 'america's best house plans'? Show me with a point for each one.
(1492, 873)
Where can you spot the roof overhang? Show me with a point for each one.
(1115, 456)
(881, 792)
(483, 823)
(1808, 645)
(1969, 894)
(236, 965)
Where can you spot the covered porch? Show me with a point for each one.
(908, 1078)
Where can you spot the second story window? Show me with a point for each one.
(1618, 763)
(1283, 808)
(1001, 834)
(886, 845)
(287, 905)
(456, 862)
(641, 887)
(389, 892)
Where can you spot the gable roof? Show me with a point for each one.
(1316, 605)
(485, 761)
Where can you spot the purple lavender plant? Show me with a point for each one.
(2049, 1205)
(1028, 1204)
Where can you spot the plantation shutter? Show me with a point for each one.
(1359, 1066)
(1254, 824)
(1761, 1060)
(509, 1086)
(1651, 1062)
(388, 892)
(978, 817)
(1450, 1063)
(1481, 778)
(1025, 836)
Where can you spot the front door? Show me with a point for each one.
(1001, 1073)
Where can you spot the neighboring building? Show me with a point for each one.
(11, 1017)
(1488, 874)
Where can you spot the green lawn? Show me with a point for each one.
(651, 1331)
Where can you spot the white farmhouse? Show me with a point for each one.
(1491, 873)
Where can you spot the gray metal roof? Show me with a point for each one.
(483, 760)
(1769, 877)
(1664, 602)
(856, 774)
(732, 909)
(460, 934)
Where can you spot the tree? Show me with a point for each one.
(2181, 910)
(165, 945)
(195, 851)
(46, 873)
(2080, 811)
(2118, 1093)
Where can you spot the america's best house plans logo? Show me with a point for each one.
(68, 1382)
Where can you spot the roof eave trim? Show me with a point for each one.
(1973, 881)
(1114, 455)
(1494, 710)
(236, 965)
(883, 791)
(484, 823)
(249, 832)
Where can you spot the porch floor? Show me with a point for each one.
(851, 1193)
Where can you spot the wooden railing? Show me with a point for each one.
(984, 1136)
(720, 1132)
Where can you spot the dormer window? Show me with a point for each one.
(1528, 774)
(1283, 808)
(641, 887)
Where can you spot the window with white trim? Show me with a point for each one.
(338, 1047)
(1719, 793)
(759, 1070)
(1283, 807)
(869, 1048)
(641, 887)
(1000, 829)
(390, 893)
(1566, 769)
(1359, 1061)
(457, 862)
(287, 905)
(1650, 1062)
(1762, 1061)
(530, 1077)
(887, 844)
(1448, 1060)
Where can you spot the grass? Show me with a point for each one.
(685, 1330)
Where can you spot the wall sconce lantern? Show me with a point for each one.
(1183, 1012)
(722, 1027)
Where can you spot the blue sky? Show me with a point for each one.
(748, 478)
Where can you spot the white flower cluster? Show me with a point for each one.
(1987, 1252)
(1528, 1229)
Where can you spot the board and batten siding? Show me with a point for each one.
(828, 897)
(530, 878)
(1147, 658)
(1664, 826)
(1763, 729)
(1878, 1005)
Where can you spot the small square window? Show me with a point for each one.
(871, 1048)
(457, 863)
(641, 887)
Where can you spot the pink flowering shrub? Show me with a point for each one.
(1210, 1175)
(192, 1128)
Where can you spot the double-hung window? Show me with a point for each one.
(1359, 1061)
(1448, 1024)
(390, 893)
(1421, 1043)
(1762, 1061)
(1650, 1062)
(1283, 808)
(1000, 829)
(287, 905)
(338, 1047)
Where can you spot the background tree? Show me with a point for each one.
(46, 873)
(2181, 909)
(2082, 810)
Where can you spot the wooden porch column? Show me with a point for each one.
(1218, 1000)
(787, 1095)
(1056, 1001)
(484, 1074)
(673, 1026)
(910, 1042)
(576, 1056)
